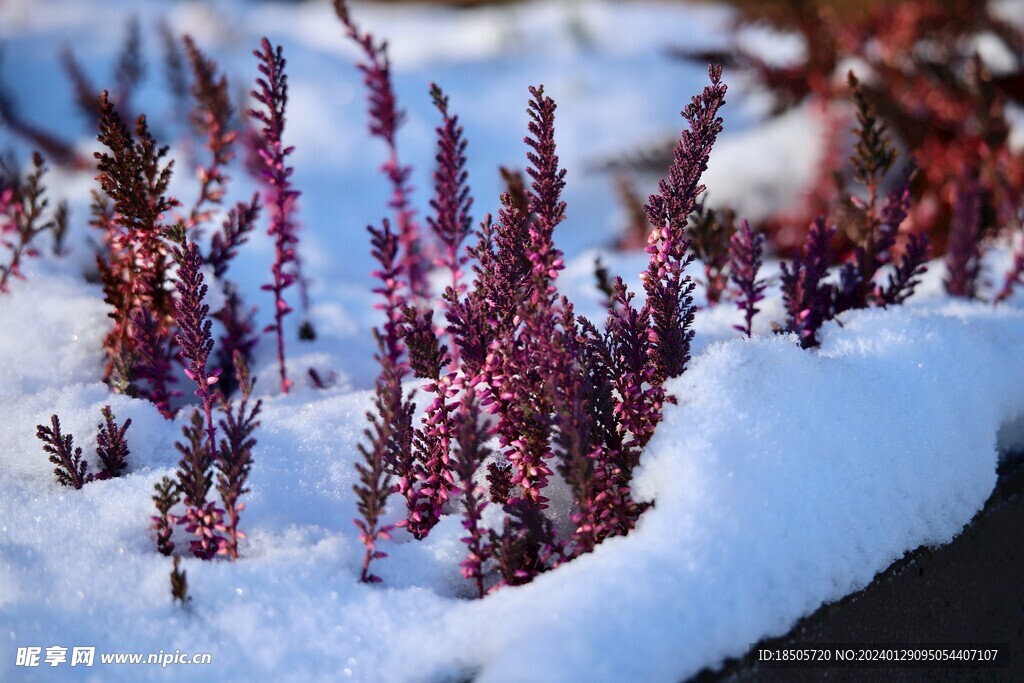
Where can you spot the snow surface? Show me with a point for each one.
(782, 480)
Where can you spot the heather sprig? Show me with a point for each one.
(907, 274)
(111, 446)
(22, 204)
(280, 196)
(202, 518)
(623, 408)
(874, 154)
(398, 451)
(81, 84)
(239, 336)
(149, 370)
(135, 273)
(808, 299)
(130, 67)
(174, 66)
(522, 549)
(71, 469)
(451, 221)
(746, 249)
(378, 451)
(877, 223)
(963, 256)
(526, 356)
(603, 279)
(234, 457)
(669, 289)
(433, 476)
(469, 453)
(499, 482)
(194, 332)
(168, 494)
(628, 349)
(60, 228)
(235, 230)
(710, 231)
(385, 120)
(211, 117)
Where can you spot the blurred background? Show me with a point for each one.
(944, 76)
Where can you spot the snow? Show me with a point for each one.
(783, 479)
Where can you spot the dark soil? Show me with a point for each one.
(969, 591)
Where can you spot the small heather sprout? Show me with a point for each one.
(746, 249)
(374, 481)
(111, 447)
(808, 299)
(963, 256)
(179, 584)
(234, 457)
(22, 204)
(168, 494)
(710, 231)
(202, 517)
(71, 469)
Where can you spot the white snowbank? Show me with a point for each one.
(783, 479)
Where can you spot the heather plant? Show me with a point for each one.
(433, 472)
(944, 106)
(72, 470)
(963, 257)
(375, 484)
(135, 274)
(23, 204)
(808, 299)
(202, 518)
(669, 289)
(567, 400)
(211, 118)
(234, 455)
(451, 222)
(195, 338)
(128, 72)
(872, 224)
(469, 453)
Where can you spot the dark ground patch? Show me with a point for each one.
(969, 591)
